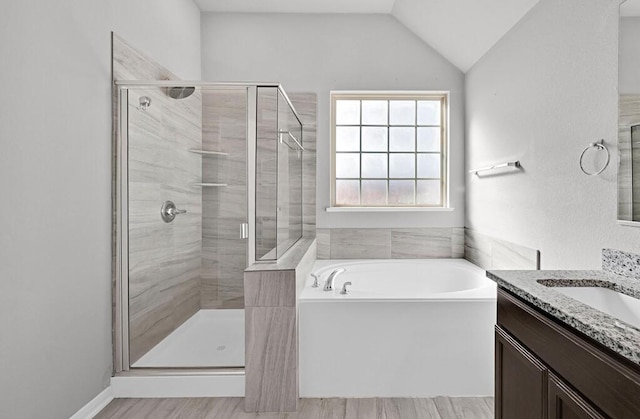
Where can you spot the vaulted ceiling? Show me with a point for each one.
(461, 30)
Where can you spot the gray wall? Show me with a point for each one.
(320, 53)
(630, 55)
(544, 92)
(55, 177)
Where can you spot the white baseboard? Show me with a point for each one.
(89, 410)
(178, 386)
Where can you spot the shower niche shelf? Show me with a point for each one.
(207, 185)
(208, 153)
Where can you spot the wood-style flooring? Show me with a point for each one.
(233, 407)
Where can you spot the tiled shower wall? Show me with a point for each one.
(164, 258)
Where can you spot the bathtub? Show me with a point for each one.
(406, 328)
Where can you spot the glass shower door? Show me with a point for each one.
(187, 202)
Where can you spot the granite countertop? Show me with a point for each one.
(613, 333)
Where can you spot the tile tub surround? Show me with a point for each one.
(603, 328)
(621, 263)
(490, 253)
(390, 243)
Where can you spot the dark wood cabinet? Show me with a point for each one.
(521, 380)
(547, 370)
(565, 403)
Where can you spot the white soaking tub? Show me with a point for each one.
(406, 328)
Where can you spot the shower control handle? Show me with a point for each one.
(168, 211)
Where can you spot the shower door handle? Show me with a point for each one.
(168, 211)
(244, 230)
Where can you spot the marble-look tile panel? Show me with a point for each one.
(156, 322)
(417, 243)
(270, 289)
(271, 359)
(356, 243)
(457, 242)
(477, 248)
(397, 243)
(506, 255)
(621, 263)
(323, 238)
(491, 253)
(304, 267)
(131, 64)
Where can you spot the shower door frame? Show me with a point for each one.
(121, 211)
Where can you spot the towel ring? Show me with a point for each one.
(599, 145)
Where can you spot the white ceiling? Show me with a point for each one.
(461, 30)
(296, 6)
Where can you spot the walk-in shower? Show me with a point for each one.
(208, 181)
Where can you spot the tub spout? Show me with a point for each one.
(328, 286)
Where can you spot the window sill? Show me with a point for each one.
(388, 209)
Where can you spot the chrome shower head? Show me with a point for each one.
(180, 92)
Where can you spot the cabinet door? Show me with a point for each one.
(565, 403)
(521, 381)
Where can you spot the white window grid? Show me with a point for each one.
(441, 97)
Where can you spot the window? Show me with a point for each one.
(388, 150)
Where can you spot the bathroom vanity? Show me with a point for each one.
(558, 357)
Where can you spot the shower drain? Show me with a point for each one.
(221, 347)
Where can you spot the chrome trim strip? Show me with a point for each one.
(195, 83)
(121, 343)
(252, 129)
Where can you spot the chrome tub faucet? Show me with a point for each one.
(328, 286)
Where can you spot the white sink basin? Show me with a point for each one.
(608, 301)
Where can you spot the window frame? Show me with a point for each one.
(442, 96)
